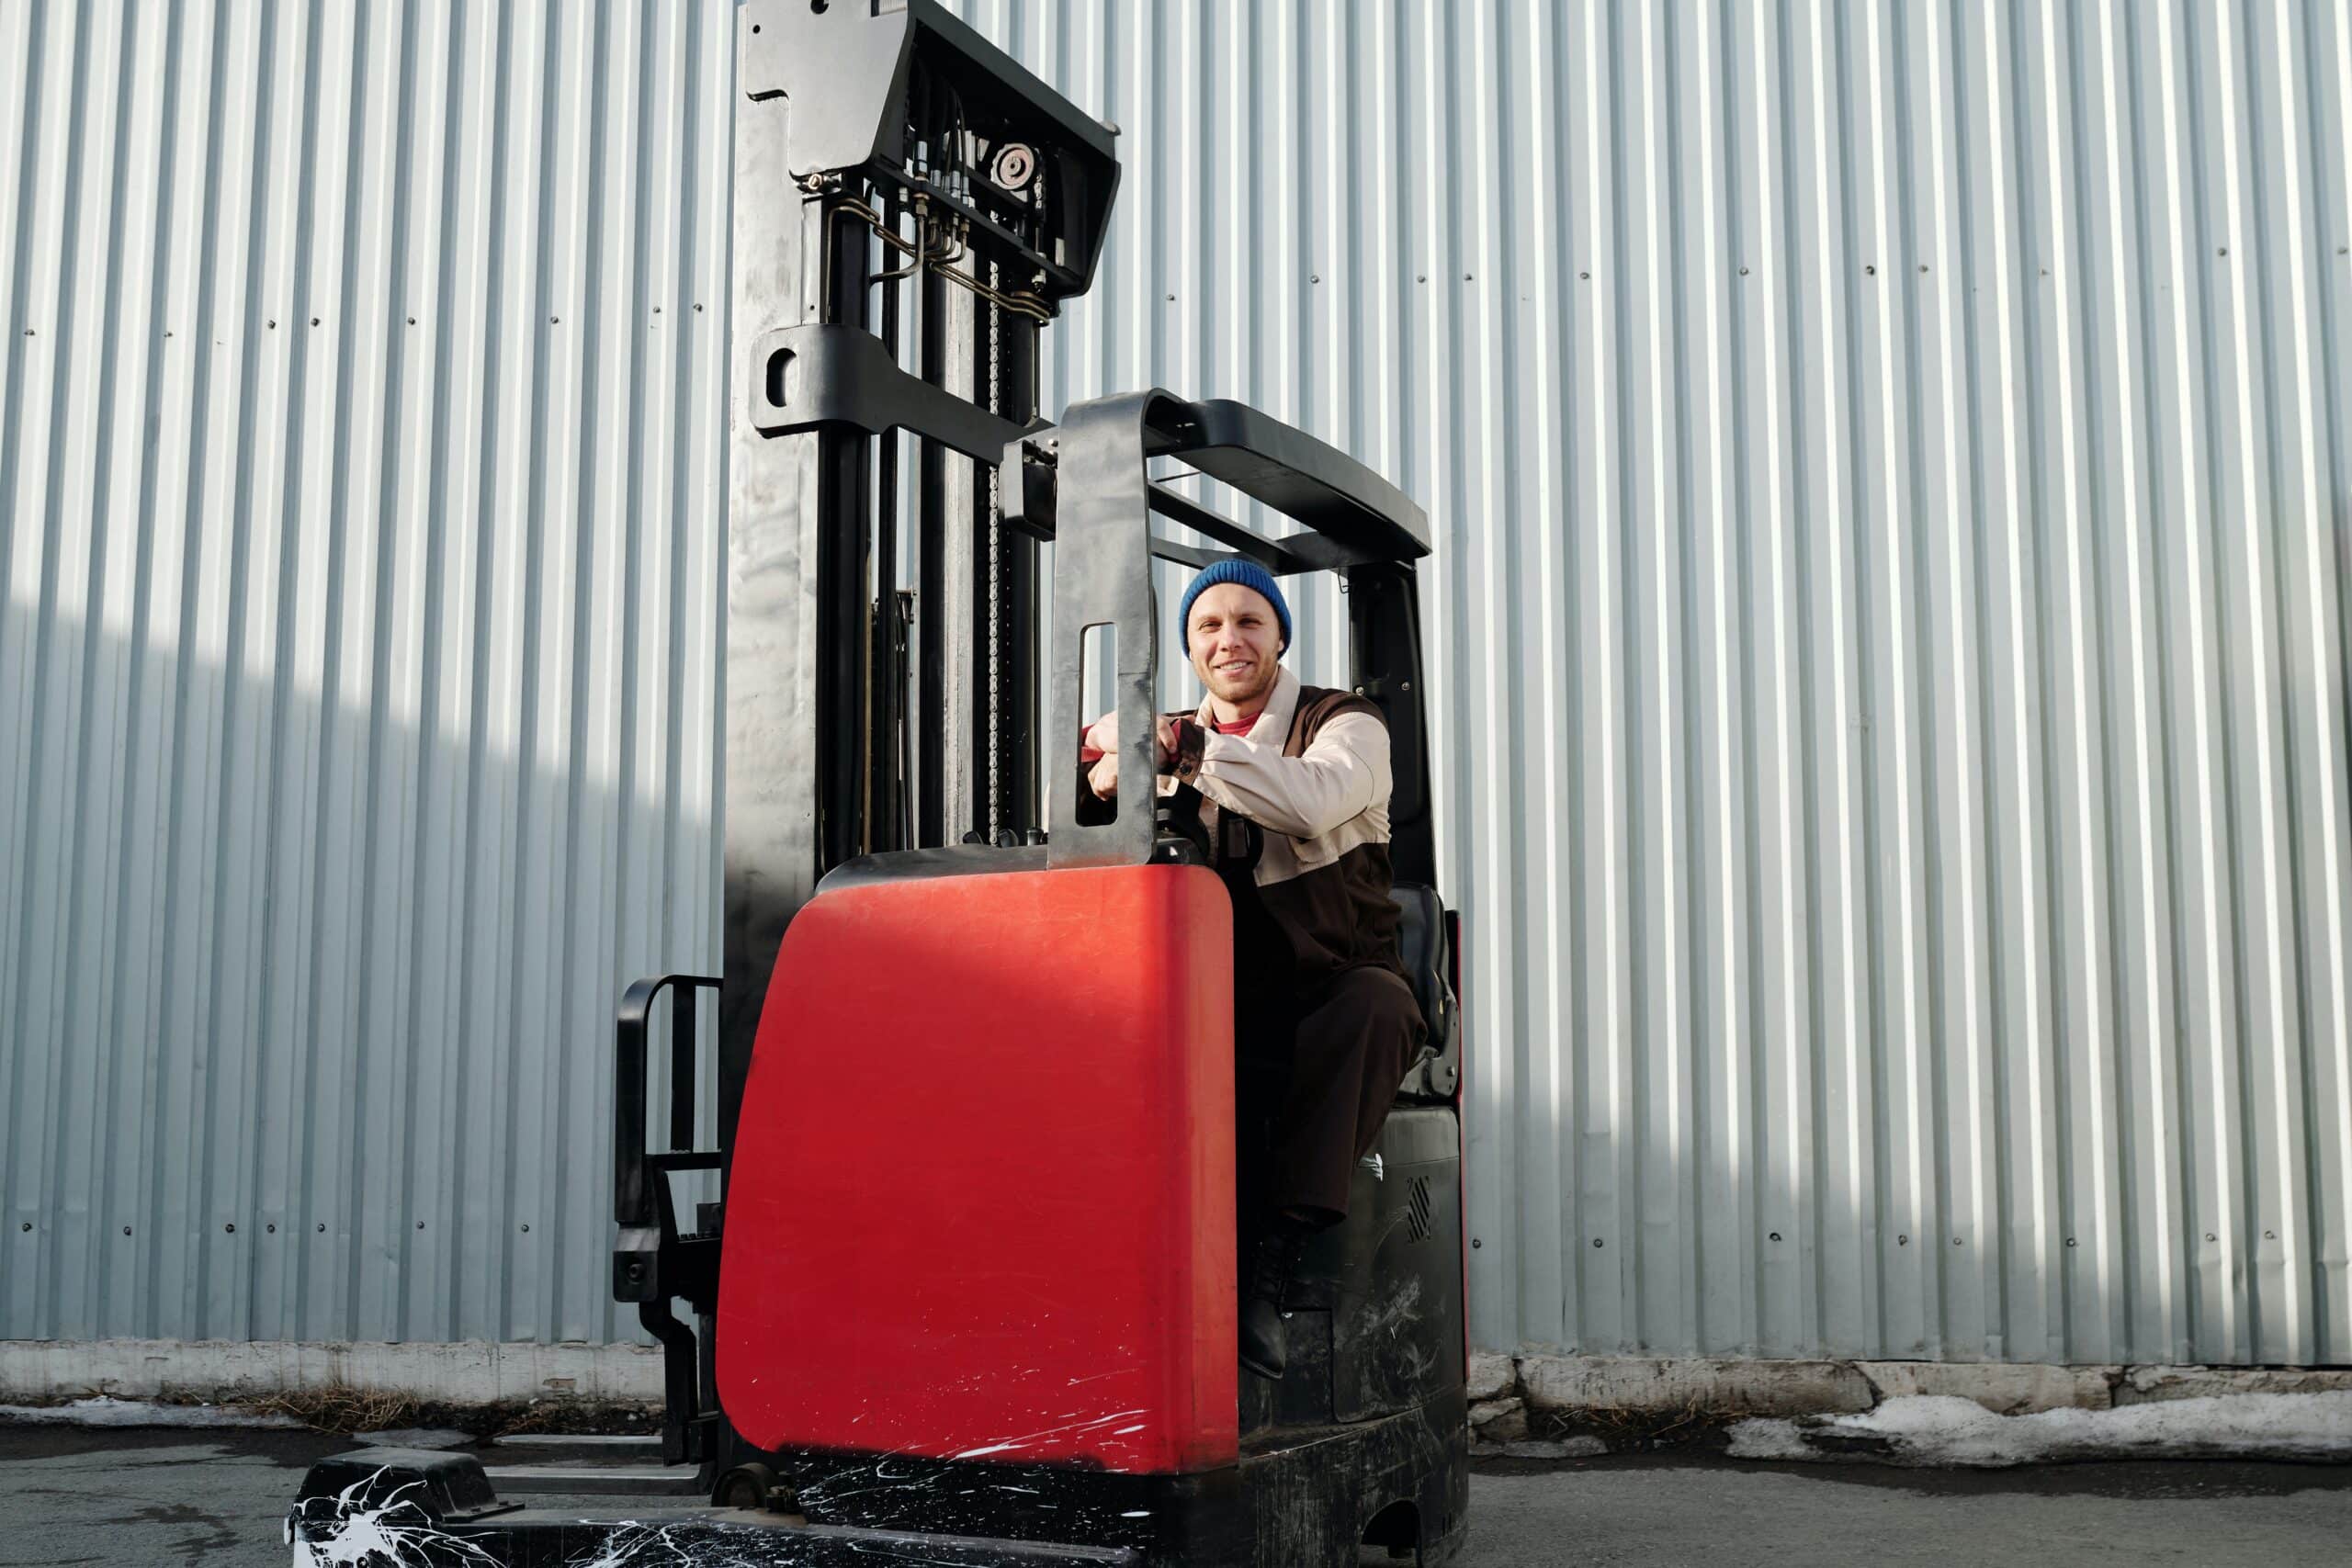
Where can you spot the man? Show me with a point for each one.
(1290, 785)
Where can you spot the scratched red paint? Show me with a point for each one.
(982, 1201)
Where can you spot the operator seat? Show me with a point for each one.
(1427, 958)
(1425, 948)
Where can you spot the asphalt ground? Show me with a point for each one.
(215, 1500)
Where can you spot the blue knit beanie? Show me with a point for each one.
(1243, 573)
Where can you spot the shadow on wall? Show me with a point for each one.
(305, 1004)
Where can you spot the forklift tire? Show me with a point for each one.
(754, 1488)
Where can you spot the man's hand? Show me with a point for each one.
(1102, 778)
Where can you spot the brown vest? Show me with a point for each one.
(1299, 932)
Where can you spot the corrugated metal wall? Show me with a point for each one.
(360, 485)
(1892, 468)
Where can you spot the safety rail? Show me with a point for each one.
(653, 1262)
(1087, 485)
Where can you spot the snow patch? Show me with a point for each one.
(103, 1412)
(1940, 1431)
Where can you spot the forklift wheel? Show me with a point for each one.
(756, 1488)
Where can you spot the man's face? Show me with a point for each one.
(1235, 643)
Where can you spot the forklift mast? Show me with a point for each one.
(906, 194)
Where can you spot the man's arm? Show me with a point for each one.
(1342, 773)
(1098, 752)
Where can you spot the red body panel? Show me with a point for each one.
(982, 1197)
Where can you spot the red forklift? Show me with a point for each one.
(967, 1292)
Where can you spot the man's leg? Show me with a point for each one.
(1263, 1029)
(1355, 1041)
(1349, 1052)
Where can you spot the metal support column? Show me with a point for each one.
(770, 682)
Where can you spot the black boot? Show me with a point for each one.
(1263, 1348)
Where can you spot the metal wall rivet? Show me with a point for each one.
(1903, 1241)
(2270, 1236)
(314, 320)
(2210, 1237)
(271, 1227)
(27, 1224)
(1923, 267)
(419, 1224)
(230, 1228)
(323, 1229)
(1475, 1243)
(1596, 1241)
(273, 326)
(2069, 1241)
(1869, 269)
(555, 321)
(1743, 272)
(126, 1230)
(527, 1230)
(1776, 1235)
(412, 320)
(1955, 1241)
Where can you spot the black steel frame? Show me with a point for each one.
(1355, 523)
(653, 1262)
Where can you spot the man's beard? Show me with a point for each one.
(1267, 673)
